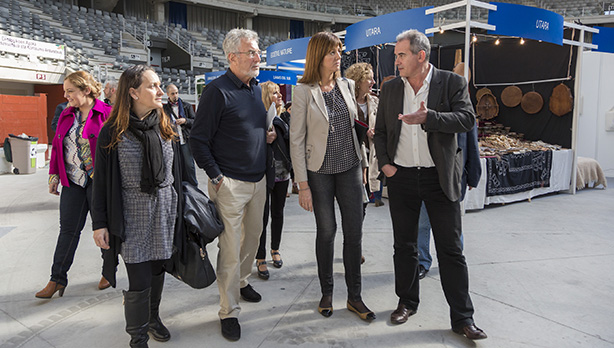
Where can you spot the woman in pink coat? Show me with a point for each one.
(72, 166)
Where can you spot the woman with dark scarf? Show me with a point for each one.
(137, 198)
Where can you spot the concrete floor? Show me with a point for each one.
(541, 276)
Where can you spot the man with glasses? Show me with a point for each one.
(228, 141)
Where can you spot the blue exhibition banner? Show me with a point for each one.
(383, 29)
(279, 77)
(210, 76)
(298, 67)
(286, 51)
(604, 39)
(526, 22)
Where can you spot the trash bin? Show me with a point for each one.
(23, 153)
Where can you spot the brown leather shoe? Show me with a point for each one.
(401, 314)
(472, 332)
(51, 288)
(103, 283)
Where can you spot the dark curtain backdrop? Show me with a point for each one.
(297, 29)
(370, 55)
(511, 62)
(178, 14)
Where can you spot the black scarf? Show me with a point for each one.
(146, 131)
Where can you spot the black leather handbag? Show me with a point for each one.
(199, 213)
(202, 225)
(197, 271)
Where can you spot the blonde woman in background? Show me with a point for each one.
(362, 74)
(278, 179)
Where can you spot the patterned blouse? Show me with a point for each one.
(340, 153)
(77, 154)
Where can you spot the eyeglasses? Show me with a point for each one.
(251, 53)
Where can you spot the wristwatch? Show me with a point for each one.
(215, 181)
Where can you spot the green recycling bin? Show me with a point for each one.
(23, 153)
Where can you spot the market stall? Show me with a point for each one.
(526, 70)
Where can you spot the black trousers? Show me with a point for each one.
(277, 198)
(140, 274)
(188, 161)
(75, 204)
(407, 189)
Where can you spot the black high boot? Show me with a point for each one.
(158, 330)
(136, 310)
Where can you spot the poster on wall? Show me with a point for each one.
(34, 48)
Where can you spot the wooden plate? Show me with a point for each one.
(480, 92)
(511, 96)
(532, 102)
(561, 101)
(487, 107)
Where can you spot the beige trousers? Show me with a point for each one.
(241, 207)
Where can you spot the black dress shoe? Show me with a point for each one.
(231, 330)
(277, 263)
(249, 294)
(367, 314)
(401, 314)
(422, 272)
(264, 275)
(471, 331)
(325, 307)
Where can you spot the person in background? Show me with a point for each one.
(110, 88)
(56, 116)
(229, 141)
(362, 74)
(286, 116)
(327, 161)
(72, 166)
(137, 199)
(277, 182)
(472, 170)
(182, 115)
(418, 117)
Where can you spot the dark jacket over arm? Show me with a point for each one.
(472, 169)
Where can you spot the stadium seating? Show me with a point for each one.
(106, 43)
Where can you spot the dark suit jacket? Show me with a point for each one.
(189, 116)
(449, 112)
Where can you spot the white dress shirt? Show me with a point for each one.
(175, 117)
(413, 148)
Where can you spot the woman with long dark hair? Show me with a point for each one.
(72, 166)
(137, 198)
(327, 159)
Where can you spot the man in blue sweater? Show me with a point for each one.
(228, 140)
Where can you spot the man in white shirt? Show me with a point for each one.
(418, 117)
